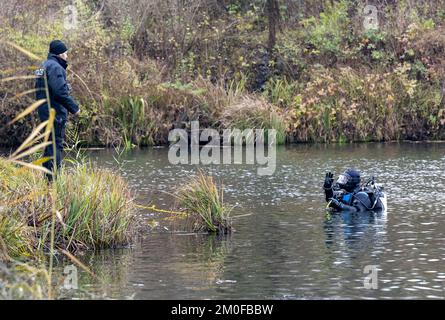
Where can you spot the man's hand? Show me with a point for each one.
(77, 113)
(329, 180)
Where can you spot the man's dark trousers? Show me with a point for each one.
(59, 130)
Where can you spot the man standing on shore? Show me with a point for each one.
(54, 68)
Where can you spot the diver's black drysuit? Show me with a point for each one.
(342, 200)
(347, 195)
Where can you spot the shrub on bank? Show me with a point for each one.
(347, 105)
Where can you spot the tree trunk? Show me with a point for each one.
(442, 94)
(273, 15)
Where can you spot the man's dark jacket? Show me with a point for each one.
(58, 87)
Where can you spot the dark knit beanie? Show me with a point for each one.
(57, 47)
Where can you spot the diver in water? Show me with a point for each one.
(347, 194)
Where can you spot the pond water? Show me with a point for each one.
(285, 246)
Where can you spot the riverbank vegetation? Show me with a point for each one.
(94, 210)
(83, 208)
(308, 69)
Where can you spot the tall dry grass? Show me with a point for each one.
(203, 201)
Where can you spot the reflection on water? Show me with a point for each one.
(355, 229)
(288, 248)
(111, 276)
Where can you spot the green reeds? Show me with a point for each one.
(280, 92)
(202, 199)
(94, 210)
(17, 189)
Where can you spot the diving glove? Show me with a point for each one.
(329, 180)
(335, 204)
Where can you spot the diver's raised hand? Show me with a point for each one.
(328, 180)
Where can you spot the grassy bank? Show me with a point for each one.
(94, 210)
(325, 79)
